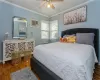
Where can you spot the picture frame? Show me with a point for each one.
(76, 16)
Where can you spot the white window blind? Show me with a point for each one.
(44, 29)
(54, 29)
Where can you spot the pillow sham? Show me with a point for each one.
(63, 39)
(71, 39)
(68, 39)
(85, 38)
(68, 35)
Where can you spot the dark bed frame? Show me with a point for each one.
(44, 73)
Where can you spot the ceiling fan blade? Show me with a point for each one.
(48, 3)
(52, 6)
(42, 4)
(51, 0)
(56, 0)
(41, 0)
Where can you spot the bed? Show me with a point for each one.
(54, 61)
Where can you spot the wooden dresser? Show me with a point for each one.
(10, 46)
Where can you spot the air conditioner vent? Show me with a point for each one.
(34, 23)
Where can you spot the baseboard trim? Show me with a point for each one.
(0, 61)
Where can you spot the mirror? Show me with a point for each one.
(19, 27)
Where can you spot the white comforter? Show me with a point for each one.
(69, 61)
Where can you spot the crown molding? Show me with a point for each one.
(23, 8)
(85, 3)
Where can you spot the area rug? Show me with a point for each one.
(23, 74)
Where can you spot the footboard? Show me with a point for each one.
(43, 72)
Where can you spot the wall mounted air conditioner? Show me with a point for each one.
(34, 23)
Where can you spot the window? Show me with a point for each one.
(44, 29)
(54, 29)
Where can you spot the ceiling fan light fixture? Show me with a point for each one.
(48, 5)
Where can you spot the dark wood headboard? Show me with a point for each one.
(85, 30)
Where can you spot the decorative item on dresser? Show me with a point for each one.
(16, 46)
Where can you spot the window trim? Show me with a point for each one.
(45, 30)
(53, 30)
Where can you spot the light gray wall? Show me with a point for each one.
(93, 19)
(7, 12)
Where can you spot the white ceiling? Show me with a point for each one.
(59, 6)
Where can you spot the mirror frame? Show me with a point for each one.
(13, 27)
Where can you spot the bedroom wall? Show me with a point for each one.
(7, 11)
(93, 19)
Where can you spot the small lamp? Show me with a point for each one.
(6, 36)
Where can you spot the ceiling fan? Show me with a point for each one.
(48, 3)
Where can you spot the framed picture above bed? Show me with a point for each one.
(76, 16)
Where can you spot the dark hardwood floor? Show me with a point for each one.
(8, 68)
(97, 73)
